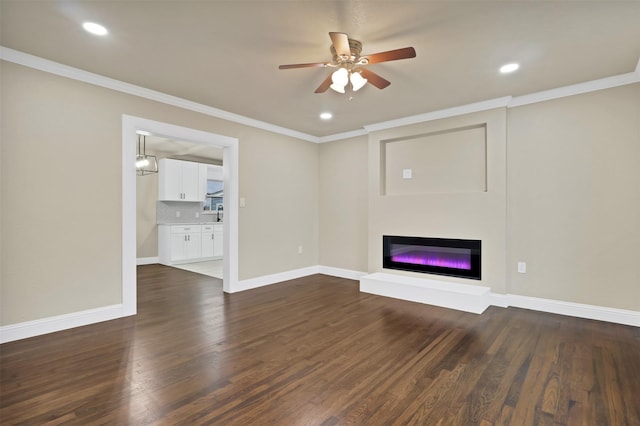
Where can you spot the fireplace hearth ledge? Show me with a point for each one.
(463, 297)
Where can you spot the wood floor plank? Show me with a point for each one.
(316, 351)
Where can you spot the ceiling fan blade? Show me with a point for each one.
(315, 64)
(324, 86)
(391, 55)
(340, 43)
(374, 78)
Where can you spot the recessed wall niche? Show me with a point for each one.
(450, 161)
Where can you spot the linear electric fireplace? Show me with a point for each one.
(441, 256)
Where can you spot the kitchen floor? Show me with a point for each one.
(212, 268)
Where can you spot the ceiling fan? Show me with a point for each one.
(346, 57)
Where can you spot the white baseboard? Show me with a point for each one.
(341, 273)
(599, 313)
(297, 273)
(147, 260)
(463, 297)
(500, 300)
(275, 278)
(476, 299)
(23, 330)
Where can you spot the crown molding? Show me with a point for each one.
(56, 68)
(576, 89)
(342, 136)
(443, 113)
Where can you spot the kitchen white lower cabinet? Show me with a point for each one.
(217, 240)
(207, 241)
(212, 241)
(179, 243)
(189, 243)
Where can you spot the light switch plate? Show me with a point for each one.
(522, 267)
(407, 173)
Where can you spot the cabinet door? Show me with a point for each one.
(207, 244)
(194, 245)
(178, 247)
(170, 180)
(190, 181)
(218, 244)
(202, 182)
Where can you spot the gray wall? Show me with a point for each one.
(146, 226)
(61, 149)
(571, 210)
(566, 172)
(574, 198)
(344, 204)
(473, 149)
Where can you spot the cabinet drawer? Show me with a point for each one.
(207, 228)
(184, 229)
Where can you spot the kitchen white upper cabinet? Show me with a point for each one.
(202, 181)
(180, 181)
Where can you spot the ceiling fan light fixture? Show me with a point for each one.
(357, 81)
(346, 55)
(339, 89)
(340, 79)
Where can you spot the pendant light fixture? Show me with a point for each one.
(145, 164)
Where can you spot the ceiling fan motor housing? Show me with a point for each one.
(356, 48)
(346, 54)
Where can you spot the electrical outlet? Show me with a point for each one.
(407, 173)
(197, 215)
(522, 267)
(299, 249)
(177, 214)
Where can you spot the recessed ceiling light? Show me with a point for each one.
(326, 116)
(94, 28)
(507, 68)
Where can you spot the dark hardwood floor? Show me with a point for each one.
(315, 351)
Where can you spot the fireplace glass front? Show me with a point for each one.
(441, 256)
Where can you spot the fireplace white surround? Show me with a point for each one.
(463, 297)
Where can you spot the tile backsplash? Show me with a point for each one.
(181, 212)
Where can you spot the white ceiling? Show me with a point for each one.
(180, 150)
(225, 54)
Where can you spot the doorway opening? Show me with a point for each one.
(229, 145)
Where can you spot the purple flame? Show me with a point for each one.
(445, 260)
